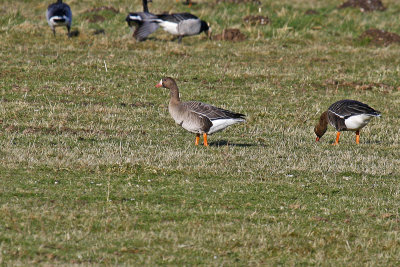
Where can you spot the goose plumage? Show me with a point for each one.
(179, 24)
(59, 14)
(198, 117)
(345, 115)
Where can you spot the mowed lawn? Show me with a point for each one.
(94, 171)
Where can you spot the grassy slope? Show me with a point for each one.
(93, 169)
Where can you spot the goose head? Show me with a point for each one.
(321, 126)
(167, 82)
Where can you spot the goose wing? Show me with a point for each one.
(59, 9)
(177, 17)
(346, 108)
(212, 112)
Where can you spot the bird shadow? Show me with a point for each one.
(226, 143)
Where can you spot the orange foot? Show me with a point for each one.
(205, 139)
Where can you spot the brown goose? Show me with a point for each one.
(198, 117)
(345, 115)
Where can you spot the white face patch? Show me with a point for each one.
(160, 83)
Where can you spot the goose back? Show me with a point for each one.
(350, 115)
(190, 120)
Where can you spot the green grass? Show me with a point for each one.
(93, 170)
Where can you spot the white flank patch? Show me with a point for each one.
(357, 122)
(135, 17)
(221, 124)
(170, 27)
(55, 23)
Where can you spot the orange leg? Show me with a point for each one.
(190, 3)
(357, 137)
(197, 139)
(205, 139)
(337, 139)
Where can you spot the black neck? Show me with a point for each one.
(145, 8)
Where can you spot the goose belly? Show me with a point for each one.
(59, 21)
(220, 124)
(170, 27)
(357, 122)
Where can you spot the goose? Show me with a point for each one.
(143, 21)
(179, 24)
(59, 14)
(198, 117)
(182, 24)
(345, 115)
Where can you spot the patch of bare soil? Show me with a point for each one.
(96, 18)
(380, 37)
(99, 31)
(311, 12)
(233, 35)
(256, 20)
(359, 85)
(258, 2)
(97, 9)
(364, 5)
(74, 33)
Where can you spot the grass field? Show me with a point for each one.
(94, 170)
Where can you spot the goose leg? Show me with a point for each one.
(357, 137)
(205, 139)
(69, 31)
(54, 31)
(180, 39)
(197, 139)
(337, 139)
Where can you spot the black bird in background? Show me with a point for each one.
(59, 14)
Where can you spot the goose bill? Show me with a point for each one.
(159, 84)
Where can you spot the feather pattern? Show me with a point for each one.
(346, 108)
(177, 17)
(212, 112)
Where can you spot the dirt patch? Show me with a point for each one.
(233, 35)
(95, 18)
(137, 104)
(358, 85)
(99, 31)
(256, 20)
(97, 9)
(364, 5)
(311, 12)
(74, 33)
(257, 2)
(380, 37)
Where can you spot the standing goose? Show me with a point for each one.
(345, 115)
(198, 117)
(59, 14)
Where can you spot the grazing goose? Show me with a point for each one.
(180, 24)
(143, 21)
(345, 115)
(59, 14)
(198, 117)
